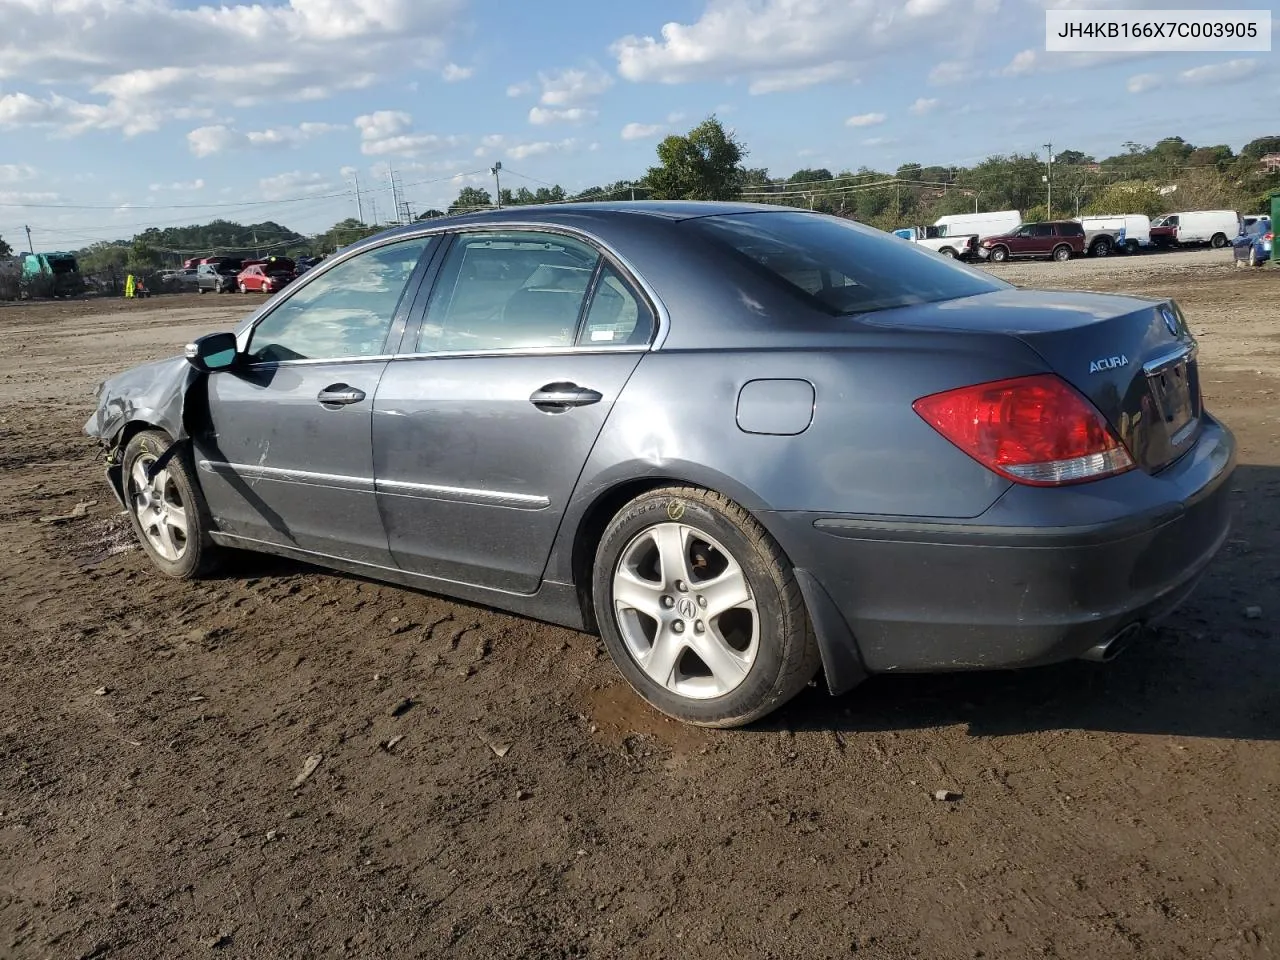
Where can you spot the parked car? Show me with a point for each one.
(217, 276)
(263, 278)
(963, 247)
(1059, 239)
(1253, 246)
(1214, 227)
(180, 281)
(741, 443)
(989, 224)
(1119, 233)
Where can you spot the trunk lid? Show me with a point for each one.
(1133, 358)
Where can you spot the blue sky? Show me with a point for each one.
(120, 114)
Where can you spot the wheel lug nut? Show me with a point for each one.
(699, 627)
(678, 626)
(682, 586)
(702, 601)
(668, 602)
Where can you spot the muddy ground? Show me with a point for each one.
(151, 734)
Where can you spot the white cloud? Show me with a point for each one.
(1022, 63)
(675, 117)
(878, 141)
(1143, 82)
(18, 196)
(14, 172)
(218, 138)
(1229, 72)
(390, 133)
(178, 186)
(453, 73)
(923, 106)
(641, 131)
(295, 183)
(866, 120)
(950, 72)
(514, 149)
(797, 79)
(788, 44)
(541, 116)
(148, 63)
(565, 96)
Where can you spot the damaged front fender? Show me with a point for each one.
(154, 394)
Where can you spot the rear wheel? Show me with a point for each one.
(167, 509)
(999, 254)
(1101, 247)
(948, 253)
(1062, 253)
(1219, 241)
(700, 609)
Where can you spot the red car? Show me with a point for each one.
(1060, 239)
(263, 277)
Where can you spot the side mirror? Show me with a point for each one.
(212, 352)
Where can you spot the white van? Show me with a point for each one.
(1122, 232)
(984, 225)
(1214, 227)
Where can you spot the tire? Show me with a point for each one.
(153, 510)
(999, 254)
(243, 288)
(948, 253)
(202, 291)
(1101, 247)
(765, 655)
(1131, 247)
(1219, 241)
(1062, 253)
(1253, 256)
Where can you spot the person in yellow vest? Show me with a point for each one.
(129, 287)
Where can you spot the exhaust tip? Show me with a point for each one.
(1112, 648)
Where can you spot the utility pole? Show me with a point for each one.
(1048, 149)
(497, 183)
(373, 211)
(395, 192)
(31, 248)
(359, 205)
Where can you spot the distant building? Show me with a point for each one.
(1270, 162)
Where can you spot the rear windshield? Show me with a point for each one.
(841, 266)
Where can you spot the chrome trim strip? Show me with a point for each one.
(483, 498)
(1170, 358)
(248, 471)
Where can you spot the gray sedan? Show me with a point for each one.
(743, 443)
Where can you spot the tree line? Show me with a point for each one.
(709, 163)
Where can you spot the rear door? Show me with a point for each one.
(482, 427)
(1042, 240)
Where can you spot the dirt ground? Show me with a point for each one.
(488, 787)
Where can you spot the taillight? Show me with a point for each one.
(1035, 430)
(1268, 237)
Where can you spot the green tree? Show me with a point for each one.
(810, 175)
(430, 214)
(471, 198)
(143, 258)
(5, 249)
(342, 234)
(1260, 147)
(1131, 196)
(704, 164)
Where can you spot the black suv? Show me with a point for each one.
(219, 276)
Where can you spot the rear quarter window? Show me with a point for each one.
(840, 266)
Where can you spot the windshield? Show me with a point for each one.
(841, 266)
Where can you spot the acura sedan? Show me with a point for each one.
(743, 443)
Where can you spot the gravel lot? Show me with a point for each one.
(151, 734)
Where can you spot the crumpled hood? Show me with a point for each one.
(154, 392)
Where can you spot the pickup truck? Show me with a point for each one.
(962, 247)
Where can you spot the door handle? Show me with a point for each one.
(339, 395)
(562, 396)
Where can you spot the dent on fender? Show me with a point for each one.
(155, 394)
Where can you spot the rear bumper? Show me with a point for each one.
(1043, 576)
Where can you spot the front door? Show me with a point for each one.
(286, 455)
(481, 430)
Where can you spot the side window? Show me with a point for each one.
(345, 312)
(1042, 230)
(508, 291)
(616, 315)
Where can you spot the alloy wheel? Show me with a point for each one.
(161, 513)
(686, 611)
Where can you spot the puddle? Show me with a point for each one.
(619, 714)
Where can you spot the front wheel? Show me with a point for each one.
(1253, 256)
(1062, 254)
(948, 253)
(999, 254)
(243, 288)
(166, 508)
(700, 609)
